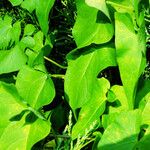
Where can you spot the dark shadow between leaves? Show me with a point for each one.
(74, 54)
(18, 117)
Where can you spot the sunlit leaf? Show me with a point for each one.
(130, 49)
(42, 11)
(35, 87)
(29, 29)
(123, 133)
(30, 5)
(88, 27)
(15, 134)
(92, 110)
(99, 4)
(81, 74)
(121, 97)
(8, 33)
(145, 107)
(12, 60)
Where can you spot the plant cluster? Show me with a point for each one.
(74, 74)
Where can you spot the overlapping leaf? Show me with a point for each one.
(92, 110)
(16, 2)
(42, 11)
(99, 4)
(17, 135)
(30, 5)
(12, 60)
(35, 87)
(88, 29)
(82, 72)
(144, 143)
(145, 107)
(123, 133)
(130, 49)
(121, 97)
(8, 33)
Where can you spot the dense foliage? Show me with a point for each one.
(74, 74)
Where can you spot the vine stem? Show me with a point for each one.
(57, 76)
(55, 63)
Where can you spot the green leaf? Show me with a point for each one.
(121, 6)
(130, 49)
(92, 110)
(17, 135)
(12, 60)
(82, 72)
(142, 90)
(35, 87)
(38, 37)
(29, 30)
(107, 119)
(122, 134)
(89, 28)
(145, 107)
(99, 4)
(30, 5)
(16, 2)
(27, 42)
(42, 11)
(144, 143)
(8, 33)
(121, 97)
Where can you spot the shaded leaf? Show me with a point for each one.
(144, 143)
(142, 90)
(16, 2)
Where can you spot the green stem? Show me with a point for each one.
(55, 63)
(57, 76)
(87, 143)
